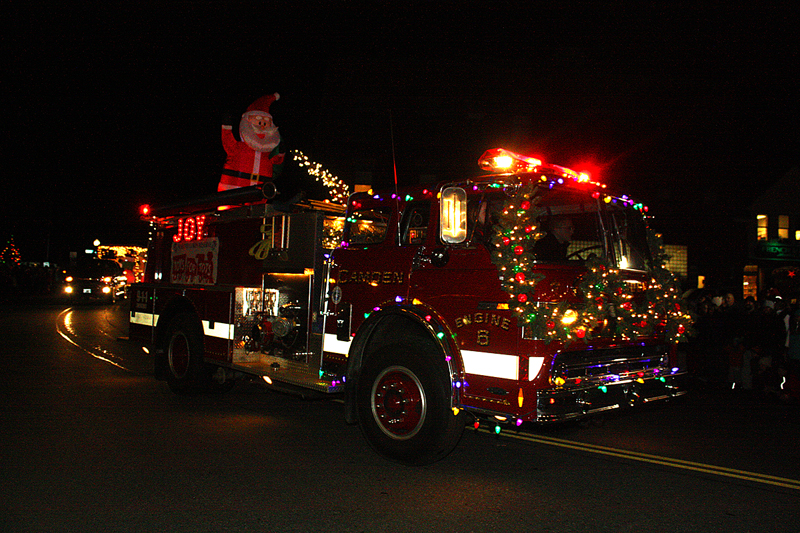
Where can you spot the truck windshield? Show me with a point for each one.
(631, 249)
(568, 223)
(570, 226)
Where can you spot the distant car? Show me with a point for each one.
(96, 279)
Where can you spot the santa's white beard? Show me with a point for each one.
(251, 137)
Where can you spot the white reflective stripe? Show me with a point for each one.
(333, 345)
(494, 365)
(218, 329)
(212, 329)
(534, 366)
(143, 319)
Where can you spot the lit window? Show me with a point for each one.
(762, 227)
(783, 226)
(750, 281)
(678, 261)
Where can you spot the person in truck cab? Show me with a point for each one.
(553, 246)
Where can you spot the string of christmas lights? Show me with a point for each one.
(338, 189)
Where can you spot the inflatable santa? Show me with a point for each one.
(257, 157)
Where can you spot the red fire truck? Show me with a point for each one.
(421, 306)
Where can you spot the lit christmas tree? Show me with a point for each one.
(10, 254)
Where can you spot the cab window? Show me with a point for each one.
(415, 223)
(367, 226)
(483, 211)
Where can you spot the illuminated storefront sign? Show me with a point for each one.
(777, 250)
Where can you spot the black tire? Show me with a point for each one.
(403, 405)
(185, 369)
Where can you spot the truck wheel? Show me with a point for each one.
(403, 404)
(184, 354)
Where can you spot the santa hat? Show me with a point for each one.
(263, 103)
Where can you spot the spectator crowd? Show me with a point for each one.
(23, 281)
(747, 345)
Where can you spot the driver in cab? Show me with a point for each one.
(553, 246)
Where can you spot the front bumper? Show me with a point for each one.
(578, 401)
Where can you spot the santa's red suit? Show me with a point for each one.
(256, 158)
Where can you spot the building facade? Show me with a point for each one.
(774, 241)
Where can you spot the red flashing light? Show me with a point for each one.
(144, 210)
(589, 168)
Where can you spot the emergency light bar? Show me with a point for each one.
(502, 160)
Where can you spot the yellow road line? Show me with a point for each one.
(655, 459)
(64, 328)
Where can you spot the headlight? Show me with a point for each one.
(106, 290)
(69, 279)
(68, 289)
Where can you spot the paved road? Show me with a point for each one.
(91, 442)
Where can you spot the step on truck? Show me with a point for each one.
(420, 306)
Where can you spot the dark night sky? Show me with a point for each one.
(688, 108)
